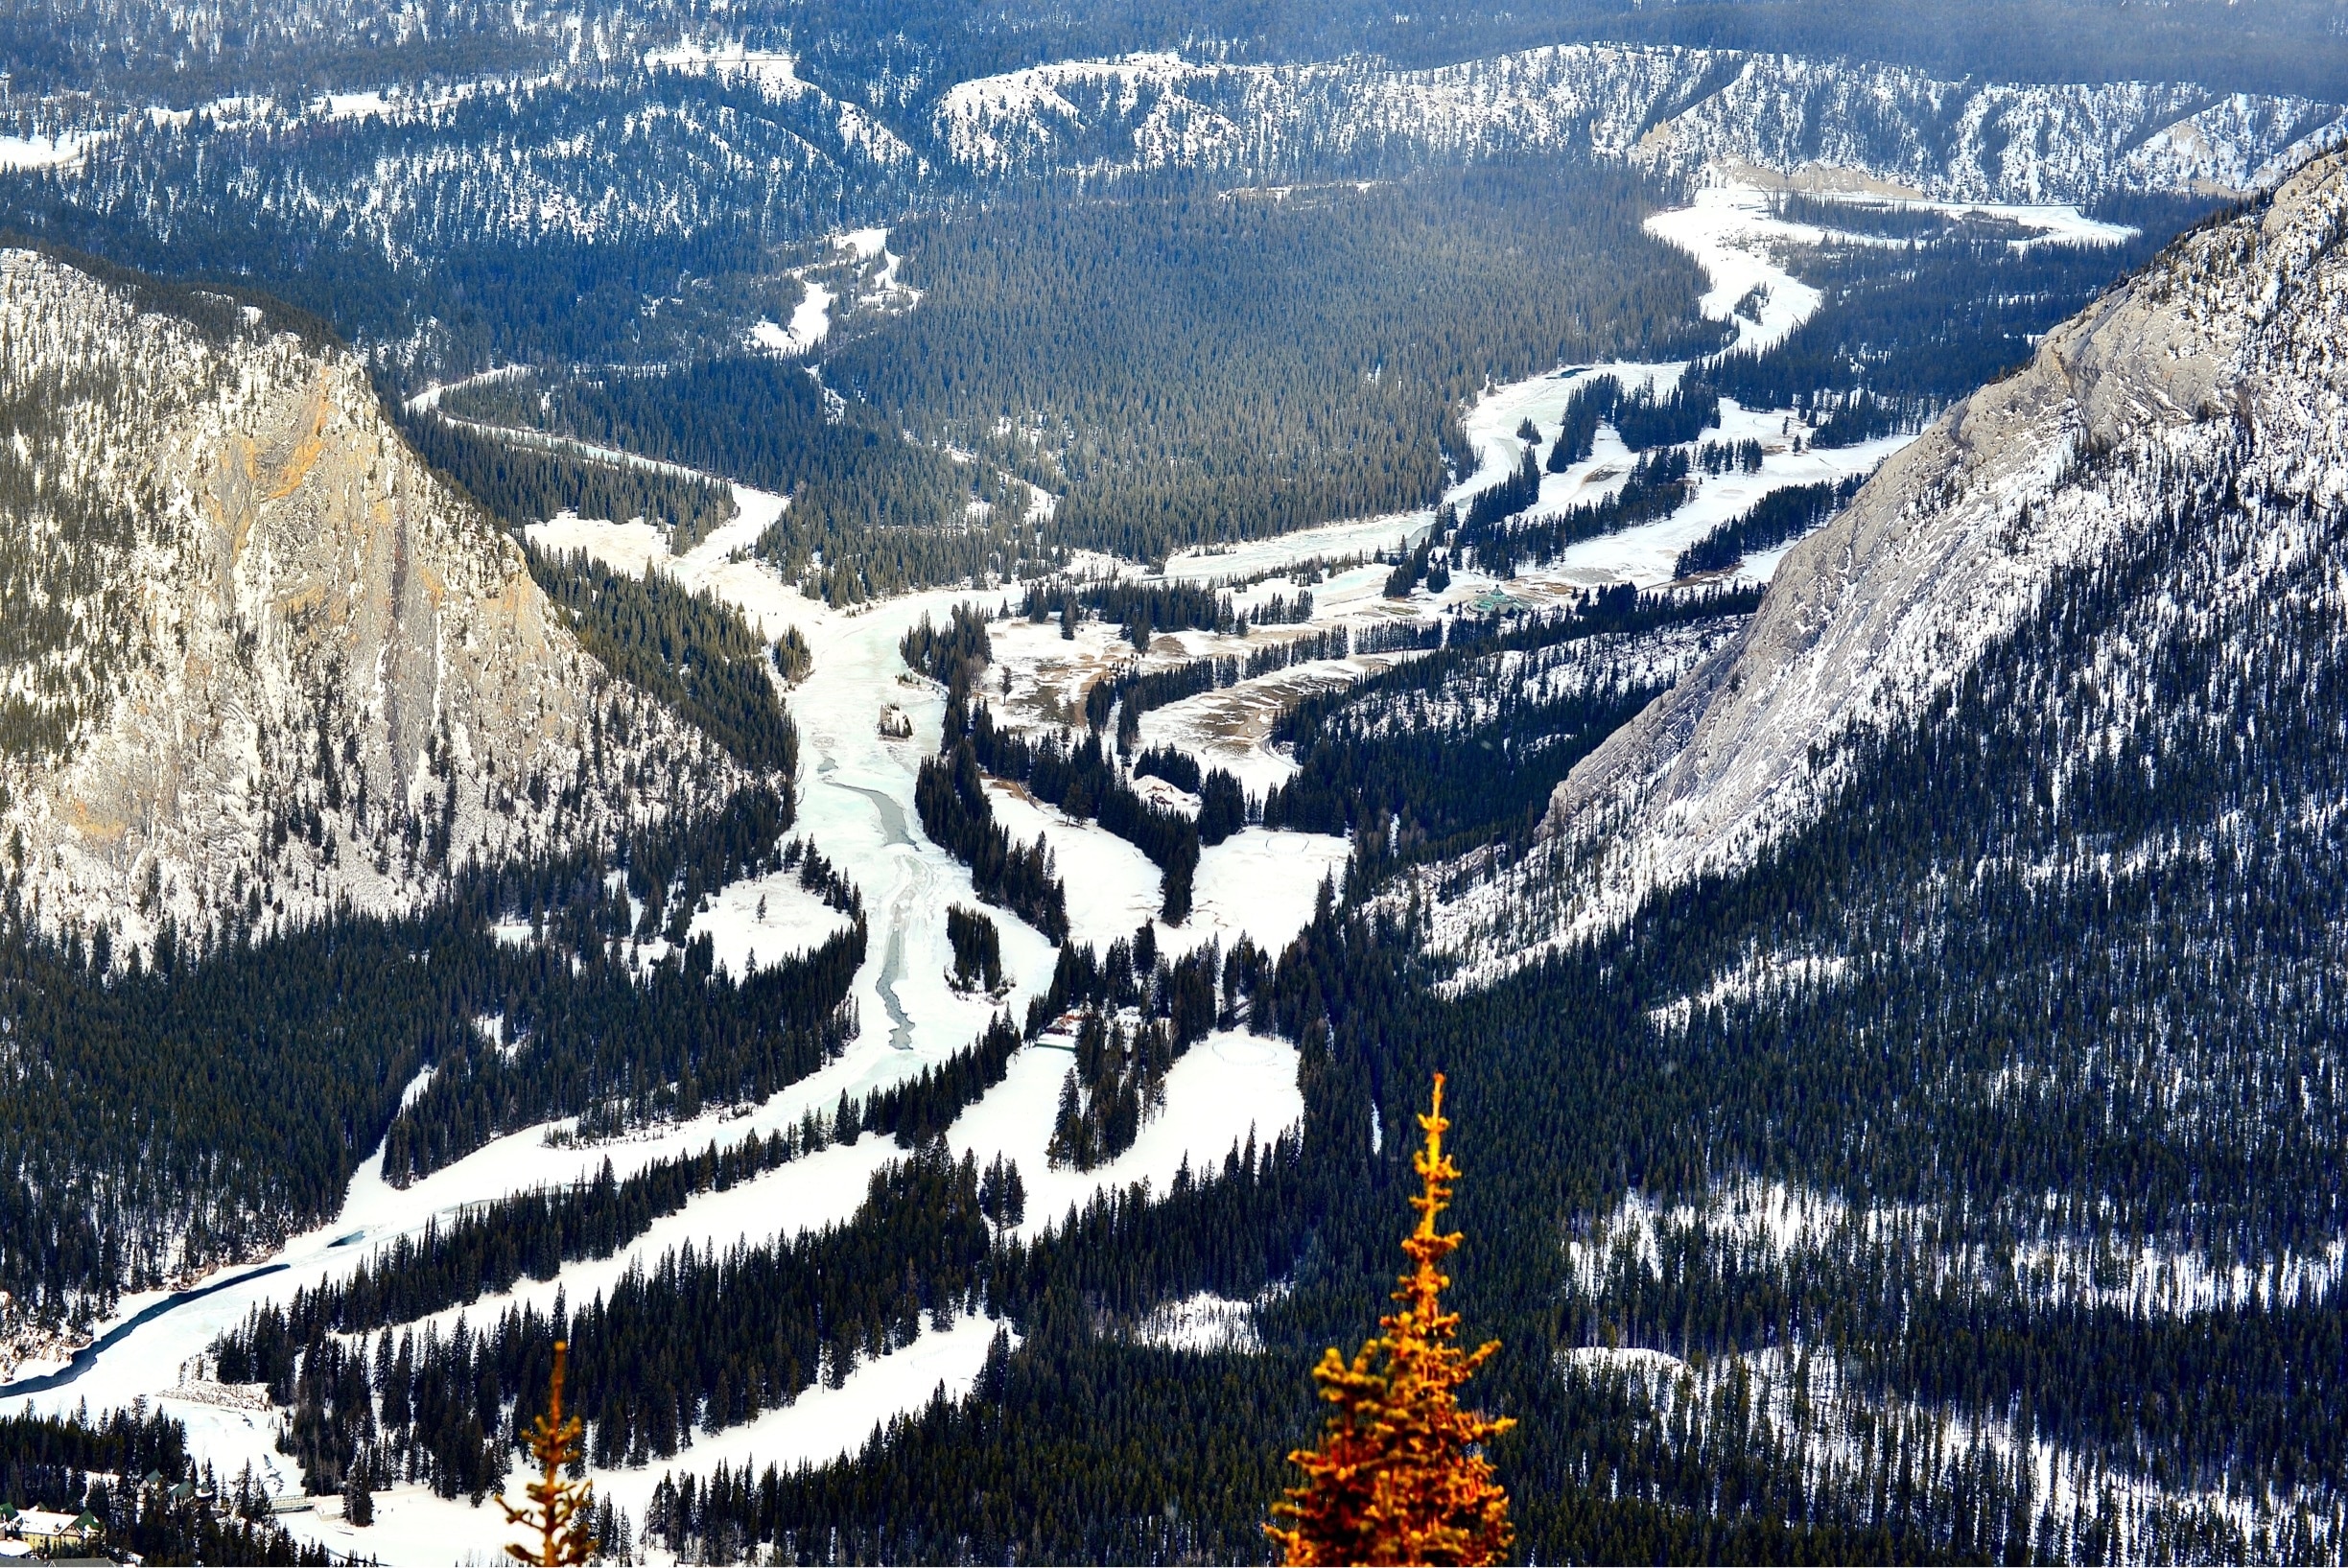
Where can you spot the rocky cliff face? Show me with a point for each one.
(2217, 372)
(259, 659)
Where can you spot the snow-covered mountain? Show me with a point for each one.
(1883, 127)
(665, 147)
(637, 200)
(260, 660)
(2175, 459)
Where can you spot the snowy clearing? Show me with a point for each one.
(413, 1525)
(774, 72)
(2062, 224)
(41, 152)
(760, 922)
(1729, 230)
(1228, 1088)
(1200, 1322)
(811, 323)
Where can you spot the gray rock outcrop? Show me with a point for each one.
(272, 663)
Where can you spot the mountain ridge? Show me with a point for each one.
(1886, 130)
(2210, 361)
(292, 671)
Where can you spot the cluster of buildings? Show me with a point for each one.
(57, 1540)
(43, 1536)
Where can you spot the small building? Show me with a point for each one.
(46, 1531)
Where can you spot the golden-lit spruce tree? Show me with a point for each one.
(1399, 1475)
(560, 1507)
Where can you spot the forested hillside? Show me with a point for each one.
(1058, 344)
(1949, 305)
(279, 1066)
(872, 511)
(258, 835)
(1223, 363)
(326, 681)
(907, 927)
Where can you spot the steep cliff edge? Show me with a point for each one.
(2218, 371)
(259, 661)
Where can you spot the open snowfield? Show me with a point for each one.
(1112, 886)
(40, 152)
(1260, 882)
(1648, 554)
(1263, 882)
(1231, 728)
(1226, 1089)
(1733, 236)
(2054, 225)
(1330, 542)
(774, 72)
(811, 323)
(359, 106)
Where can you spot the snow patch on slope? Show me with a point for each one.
(811, 323)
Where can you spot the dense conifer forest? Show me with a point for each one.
(871, 511)
(910, 452)
(1344, 322)
(1460, 748)
(311, 1037)
(1918, 324)
(1802, 1416)
(687, 650)
(1607, 1461)
(1776, 518)
(521, 485)
(1962, 1181)
(951, 796)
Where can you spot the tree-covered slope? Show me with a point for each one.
(2209, 371)
(289, 724)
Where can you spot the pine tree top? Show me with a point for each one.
(1401, 1474)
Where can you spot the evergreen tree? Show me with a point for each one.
(563, 1508)
(1400, 1475)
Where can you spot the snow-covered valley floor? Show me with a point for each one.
(855, 804)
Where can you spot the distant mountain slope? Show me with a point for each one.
(2210, 386)
(261, 662)
(1673, 110)
(643, 201)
